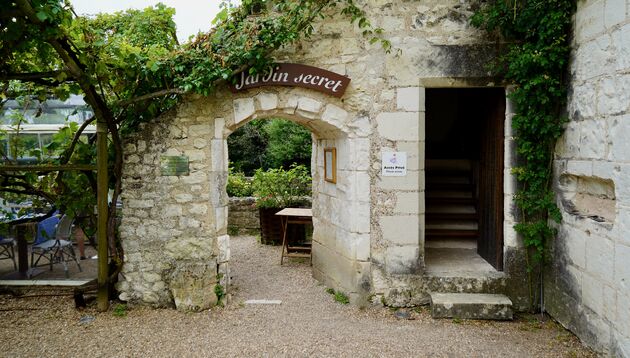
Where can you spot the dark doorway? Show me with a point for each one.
(464, 171)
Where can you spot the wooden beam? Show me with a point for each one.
(102, 212)
(45, 168)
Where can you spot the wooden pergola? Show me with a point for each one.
(102, 206)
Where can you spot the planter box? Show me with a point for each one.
(271, 228)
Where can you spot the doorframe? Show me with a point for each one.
(510, 237)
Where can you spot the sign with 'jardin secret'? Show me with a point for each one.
(292, 74)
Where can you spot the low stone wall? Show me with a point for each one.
(243, 218)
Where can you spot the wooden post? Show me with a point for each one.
(22, 249)
(102, 212)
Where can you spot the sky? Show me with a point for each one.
(191, 16)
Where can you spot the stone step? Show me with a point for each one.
(471, 306)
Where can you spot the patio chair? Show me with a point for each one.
(58, 247)
(6, 250)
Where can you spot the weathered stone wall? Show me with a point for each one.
(368, 229)
(171, 238)
(588, 288)
(243, 217)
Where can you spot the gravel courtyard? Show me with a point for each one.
(308, 323)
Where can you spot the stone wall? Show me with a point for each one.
(368, 228)
(588, 288)
(243, 218)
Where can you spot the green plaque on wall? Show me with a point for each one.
(174, 165)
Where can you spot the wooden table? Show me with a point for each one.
(295, 216)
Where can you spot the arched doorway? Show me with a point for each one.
(185, 215)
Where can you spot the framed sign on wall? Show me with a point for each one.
(330, 165)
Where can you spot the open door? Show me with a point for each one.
(491, 169)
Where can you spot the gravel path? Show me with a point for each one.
(308, 323)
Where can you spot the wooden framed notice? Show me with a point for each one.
(330, 165)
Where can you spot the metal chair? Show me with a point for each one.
(57, 249)
(6, 250)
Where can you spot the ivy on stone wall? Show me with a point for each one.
(535, 41)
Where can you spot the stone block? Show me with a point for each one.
(619, 129)
(399, 125)
(198, 209)
(345, 244)
(407, 203)
(471, 306)
(614, 95)
(141, 145)
(402, 259)
(243, 109)
(363, 246)
(593, 139)
(172, 210)
(310, 105)
(195, 178)
(200, 143)
(199, 130)
(593, 59)
(195, 155)
(582, 103)
(192, 285)
(623, 314)
(221, 215)
(218, 152)
(592, 293)
(622, 268)
(335, 115)
(140, 203)
(614, 12)
(360, 154)
(622, 45)
(223, 244)
(360, 126)
(414, 180)
(361, 217)
(621, 177)
(575, 243)
(219, 126)
(335, 267)
(415, 153)
(580, 167)
(408, 99)
(599, 258)
(401, 230)
(267, 101)
(589, 20)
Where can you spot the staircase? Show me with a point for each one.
(462, 284)
(451, 201)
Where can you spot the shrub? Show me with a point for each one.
(238, 185)
(279, 188)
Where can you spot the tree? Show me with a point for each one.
(289, 143)
(269, 143)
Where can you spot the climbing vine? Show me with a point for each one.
(535, 38)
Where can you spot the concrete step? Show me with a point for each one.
(471, 306)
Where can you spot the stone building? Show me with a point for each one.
(588, 289)
(441, 219)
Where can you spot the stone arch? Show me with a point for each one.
(185, 217)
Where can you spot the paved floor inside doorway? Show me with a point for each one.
(456, 257)
(308, 323)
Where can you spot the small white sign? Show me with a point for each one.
(394, 164)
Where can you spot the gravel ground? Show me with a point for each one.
(308, 323)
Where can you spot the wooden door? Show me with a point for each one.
(491, 168)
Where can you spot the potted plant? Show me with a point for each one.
(276, 189)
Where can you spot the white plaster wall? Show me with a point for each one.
(591, 275)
